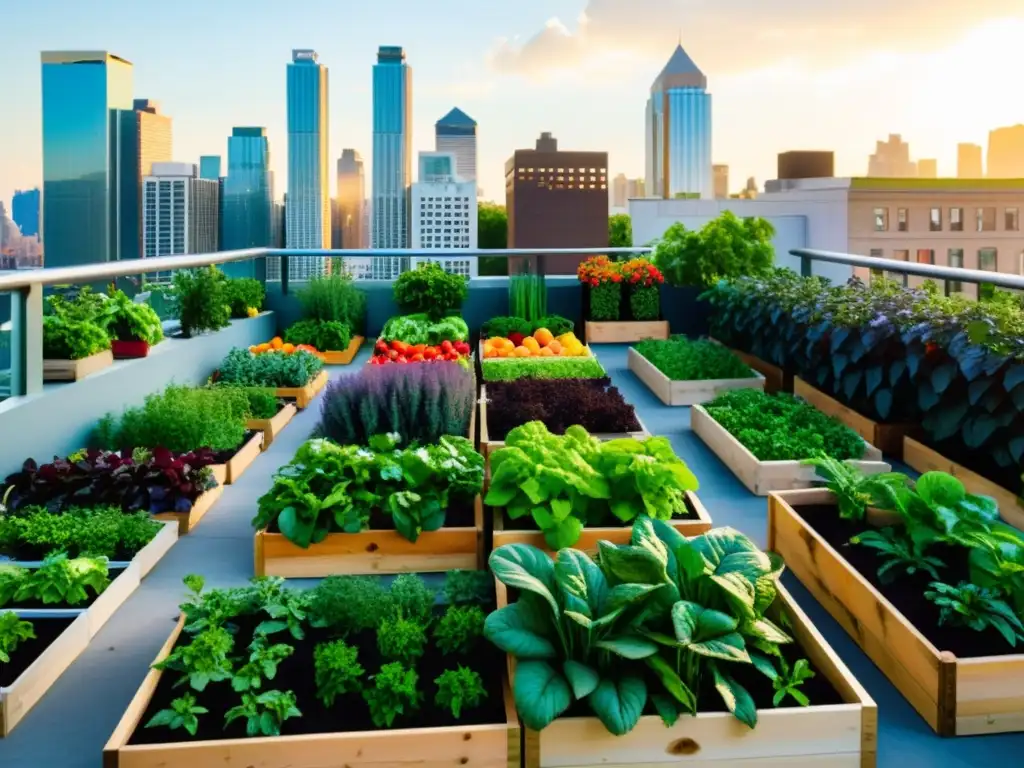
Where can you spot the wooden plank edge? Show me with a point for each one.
(158, 546)
(243, 458)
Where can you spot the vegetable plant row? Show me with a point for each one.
(951, 365)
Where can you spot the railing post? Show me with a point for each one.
(805, 266)
(27, 340)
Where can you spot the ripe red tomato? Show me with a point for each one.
(417, 358)
(430, 353)
(401, 360)
(446, 346)
(393, 354)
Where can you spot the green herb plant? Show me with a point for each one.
(268, 369)
(430, 290)
(411, 597)
(337, 671)
(459, 689)
(183, 713)
(402, 640)
(788, 680)
(203, 300)
(324, 335)
(128, 320)
(459, 629)
(394, 693)
(90, 531)
(243, 294)
(528, 296)
(13, 632)
(206, 659)
(854, 490)
(264, 713)
(264, 659)
(511, 369)
(682, 359)
(474, 587)
(349, 604)
(334, 298)
(977, 608)
(900, 553)
(59, 580)
(66, 339)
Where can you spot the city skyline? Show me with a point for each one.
(488, 67)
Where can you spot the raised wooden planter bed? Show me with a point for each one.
(956, 696)
(345, 356)
(31, 685)
(505, 531)
(188, 520)
(923, 459)
(272, 427)
(476, 746)
(685, 392)
(371, 552)
(624, 332)
(303, 396)
(488, 446)
(763, 477)
(245, 456)
(829, 736)
(888, 438)
(73, 370)
(775, 379)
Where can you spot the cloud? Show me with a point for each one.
(727, 36)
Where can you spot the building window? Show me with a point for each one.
(925, 256)
(956, 219)
(987, 219)
(881, 219)
(935, 220)
(902, 219)
(1012, 219)
(899, 277)
(956, 259)
(988, 261)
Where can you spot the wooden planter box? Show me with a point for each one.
(476, 746)
(188, 520)
(957, 697)
(73, 370)
(303, 396)
(371, 552)
(888, 438)
(346, 356)
(776, 379)
(829, 736)
(506, 533)
(624, 332)
(488, 446)
(31, 685)
(245, 456)
(923, 459)
(685, 392)
(272, 427)
(763, 477)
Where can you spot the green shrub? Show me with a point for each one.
(334, 297)
(411, 597)
(202, 300)
(430, 290)
(605, 301)
(242, 293)
(510, 369)
(256, 402)
(129, 320)
(180, 419)
(268, 369)
(725, 248)
(504, 325)
(459, 689)
(681, 359)
(401, 639)
(325, 335)
(468, 587)
(782, 427)
(347, 604)
(645, 302)
(337, 670)
(65, 339)
(393, 693)
(459, 629)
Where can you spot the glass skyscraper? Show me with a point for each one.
(247, 197)
(392, 156)
(456, 133)
(308, 212)
(209, 167)
(144, 138)
(84, 93)
(678, 125)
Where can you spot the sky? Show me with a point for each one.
(784, 74)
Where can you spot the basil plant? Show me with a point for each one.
(647, 627)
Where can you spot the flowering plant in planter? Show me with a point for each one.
(604, 278)
(643, 279)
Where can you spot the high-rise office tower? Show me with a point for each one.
(635, 190)
(83, 92)
(180, 212)
(968, 162)
(146, 139)
(247, 198)
(720, 175)
(456, 133)
(308, 212)
(25, 208)
(678, 126)
(351, 199)
(1006, 153)
(209, 166)
(927, 168)
(444, 212)
(620, 191)
(392, 157)
(892, 160)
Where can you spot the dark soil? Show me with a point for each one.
(113, 572)
(458, 515)
(47, 630)
(349, 713)
(527, 523)
(223, 457)
(906, 593)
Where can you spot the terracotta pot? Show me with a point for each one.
(127, 350)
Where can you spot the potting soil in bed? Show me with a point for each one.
(47, 631)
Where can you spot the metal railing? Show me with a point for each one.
(26, 286)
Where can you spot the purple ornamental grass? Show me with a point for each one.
(419, 401)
